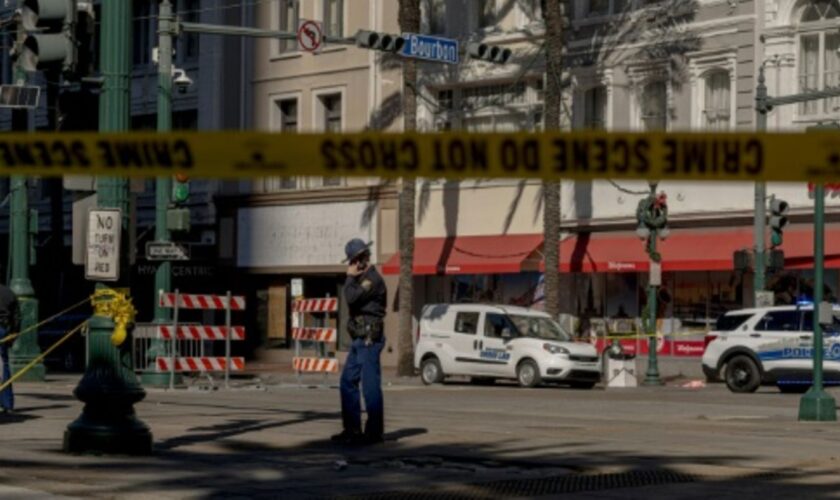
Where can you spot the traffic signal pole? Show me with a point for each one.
(816, 404)
(109, 387)
(25, 348)
(163, 188)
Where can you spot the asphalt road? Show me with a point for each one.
(450, 441)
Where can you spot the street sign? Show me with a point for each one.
(160, 251)
(431, 48)
(102, 262)
(19, 96)
(297, 287)
(310, 35)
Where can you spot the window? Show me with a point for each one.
(779, 321)
(717, 109)
(486, 13)
(466, 322)
(144, 18)
(498, 326)
(435, 11)
(331, 115)
(188, 11)
(595, 108)
(289, 11)
(655, 106)
(598, 7)
(288, 123)
(288, 115)
(819, 60)
(331, 105)
(445, 99)
(731, 322)
(334, 17)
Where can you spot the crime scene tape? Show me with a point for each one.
(41, 357)
(813, 156)
(35, 327)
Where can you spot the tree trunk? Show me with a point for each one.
(553, 13)
(409, 19)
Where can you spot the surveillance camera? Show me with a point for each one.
(181, 80)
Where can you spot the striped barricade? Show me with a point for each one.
(320, 335)
(329, 335)
(315, 365)
(200, 364)
(198, 334)
(205, 302)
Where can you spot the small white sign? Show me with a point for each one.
(297, 287)
(655, 273)
(102, 262)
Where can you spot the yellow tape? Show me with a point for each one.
(581, 155)
(41, 357)
(117, 305)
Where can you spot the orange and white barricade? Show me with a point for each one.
(320, 336)
(197, 362)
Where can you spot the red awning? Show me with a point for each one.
(688, 250)
(500, 254)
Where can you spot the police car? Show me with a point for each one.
(770, 346)
(489, 342)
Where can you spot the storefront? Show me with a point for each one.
(604, 275)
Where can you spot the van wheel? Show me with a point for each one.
(742, 374)
(528, 374)
(430, 371)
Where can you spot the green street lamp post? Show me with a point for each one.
(652, 215)
(109, 387)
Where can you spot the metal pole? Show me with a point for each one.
(652, 375)
(109, 388)
(174, 346)
(227, 341)
(760, 217)
(163, 185)
(24, 349)
(816, 404)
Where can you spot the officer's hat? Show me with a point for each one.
(355, 248)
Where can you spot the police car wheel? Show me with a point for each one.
(528, 374)
(742, 375)
(431, 372)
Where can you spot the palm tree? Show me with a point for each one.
(409, 19)
(553, 14)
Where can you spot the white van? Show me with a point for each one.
(489, 342)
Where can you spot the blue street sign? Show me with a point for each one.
(431, 48)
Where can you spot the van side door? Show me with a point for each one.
(464, 343)
(497, 332)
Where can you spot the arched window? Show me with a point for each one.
(819, 59)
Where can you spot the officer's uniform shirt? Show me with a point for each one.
(9, 310)
(366, 295)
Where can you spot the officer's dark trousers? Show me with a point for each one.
(363, 366)
(7, 397)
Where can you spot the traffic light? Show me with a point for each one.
(489, 53)
(46, 35)
(385, 42)
(180, 189)
(778, 220)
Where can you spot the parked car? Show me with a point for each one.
(770, 346)
(490, 342)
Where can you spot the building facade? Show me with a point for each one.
(636, 66)
(284, 229)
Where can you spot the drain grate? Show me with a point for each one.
(535, 487)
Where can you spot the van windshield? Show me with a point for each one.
(540, 328)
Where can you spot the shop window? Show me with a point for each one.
(595, 108)
(467, 323)
(654, 106)
(435, 14)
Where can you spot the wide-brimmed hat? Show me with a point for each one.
(354, 248)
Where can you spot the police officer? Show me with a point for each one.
(9, 323)
(366, 297)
